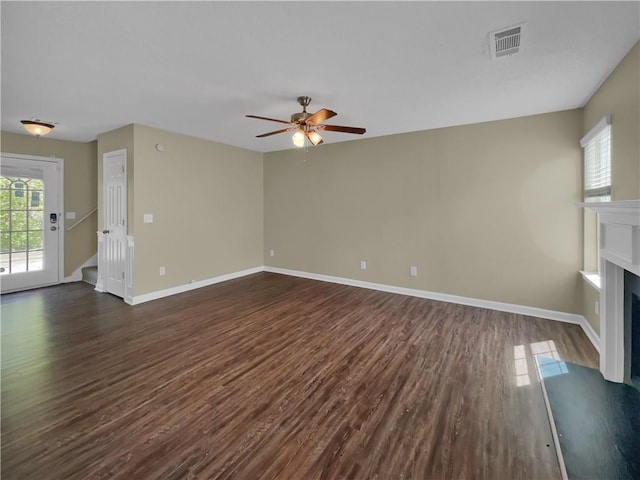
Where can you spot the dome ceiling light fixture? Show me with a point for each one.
(37, 127)
(306, 125)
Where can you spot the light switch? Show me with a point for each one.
(148, 218)
(70, 215)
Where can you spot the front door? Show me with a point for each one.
(30, 222)
(115, 221)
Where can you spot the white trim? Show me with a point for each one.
(76, 276)
(100, 255)
(592, 278)
(147, 297)
(128, 286)
(445, 297)
(552, 424)
(619, 251)
(612, 322)
(603, 123)
(59, 162)
(61, 226)
(590, 333)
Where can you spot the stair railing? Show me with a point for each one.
(82, 219)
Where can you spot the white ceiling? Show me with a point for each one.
(198, 67)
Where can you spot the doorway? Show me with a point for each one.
(31, 224)
(114, 234)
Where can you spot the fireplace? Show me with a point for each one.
(619, 290)
(632, 323)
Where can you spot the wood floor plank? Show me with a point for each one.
(270, 376)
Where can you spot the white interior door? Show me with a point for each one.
(115, 221)
(31, 224)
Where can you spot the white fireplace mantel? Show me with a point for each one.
(619, 251)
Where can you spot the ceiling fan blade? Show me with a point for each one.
(270, 119)
(338, 128)
(276, 132)
(320, 116)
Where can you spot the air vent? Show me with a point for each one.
(506, 42)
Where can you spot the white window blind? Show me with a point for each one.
(597, 162)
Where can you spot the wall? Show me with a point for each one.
(484, 211)
(206, 200)
(619, 96)
(80, 188)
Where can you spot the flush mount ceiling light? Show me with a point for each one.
(306, 125)
(36, 127)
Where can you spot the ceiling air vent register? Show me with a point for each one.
(506, 42)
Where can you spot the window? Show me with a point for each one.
(597, 186)
(21, 224)
(597, 162)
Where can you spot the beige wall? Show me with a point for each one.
(80, 188)
(619, 96)
(206, 200)
(484, 211)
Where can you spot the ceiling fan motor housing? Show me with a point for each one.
(299, 117)
(302, 116)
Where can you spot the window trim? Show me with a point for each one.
(603, 123)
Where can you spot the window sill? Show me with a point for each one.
(592, 278)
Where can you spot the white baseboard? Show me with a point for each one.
(590, 333)
(445, 297)
(76, 276)
(147, 297)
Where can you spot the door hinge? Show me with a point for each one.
(123, 275)
(122, 168)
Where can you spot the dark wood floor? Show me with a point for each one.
(270, 376)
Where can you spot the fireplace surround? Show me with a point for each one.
(619, 253)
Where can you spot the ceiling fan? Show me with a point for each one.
(306, 125)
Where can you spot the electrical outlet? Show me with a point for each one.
(162, 271)
(597, 307)
(413, 271)
(272, 253)
(363, 265)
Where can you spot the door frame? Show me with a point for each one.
(59, 162)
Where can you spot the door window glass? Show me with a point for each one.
(21, 224)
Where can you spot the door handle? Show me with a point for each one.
(105, 231)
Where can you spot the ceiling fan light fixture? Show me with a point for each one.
(306, 125)
(298, 138)
(314, 137)
(37, 128)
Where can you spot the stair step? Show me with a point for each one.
(90, 275)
